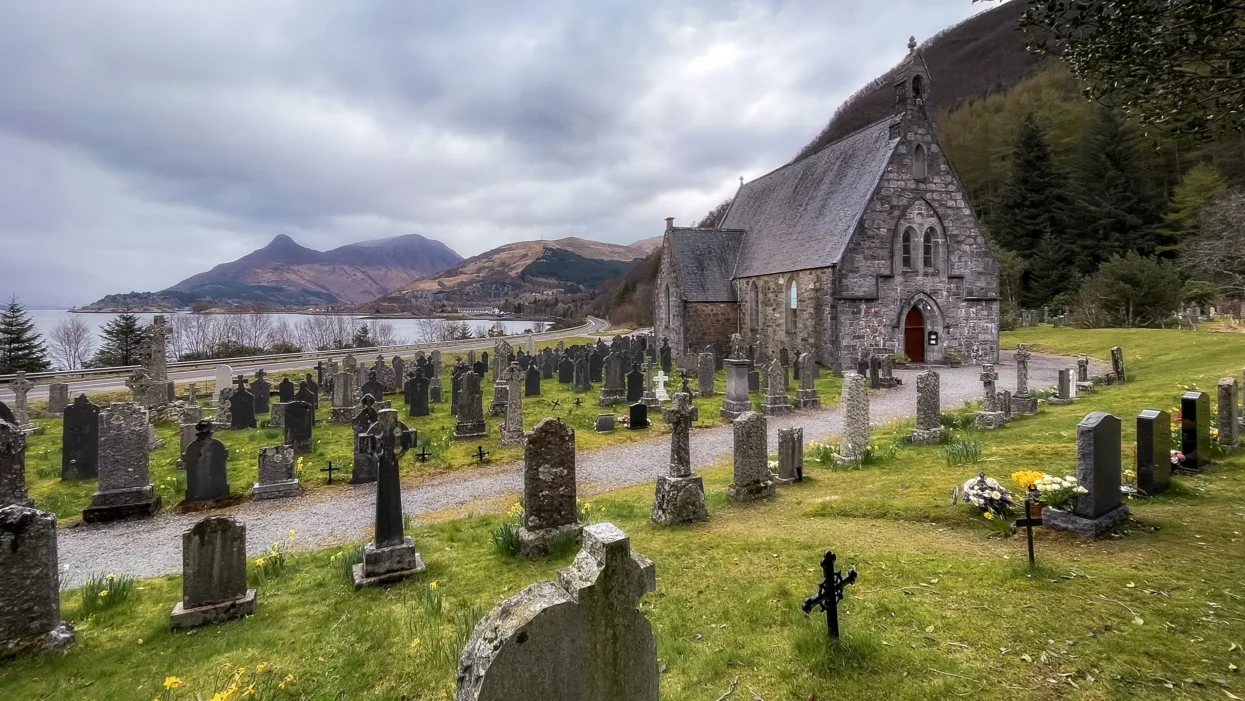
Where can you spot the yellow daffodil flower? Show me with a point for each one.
(172, 682)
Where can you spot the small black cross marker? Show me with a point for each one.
(556, 403)
(579, 401)
(423, 453)
(330, 469)
(830, 593)
(481, 453)
(1028, 522)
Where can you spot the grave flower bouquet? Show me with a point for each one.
(1177, 458)
(1058, 492)
(988, 495)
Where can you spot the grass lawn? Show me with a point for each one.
(334, 442)
(942, 607)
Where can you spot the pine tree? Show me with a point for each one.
(121, 339)
(21, 347)
(1116, 212)
(1049, 272)
(1198, 188)
(1035, 199)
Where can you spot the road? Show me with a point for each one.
(207, 375)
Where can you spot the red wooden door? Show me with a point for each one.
(914, 336)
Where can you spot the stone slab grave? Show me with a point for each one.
(1098, 470)
(30, 617)
(790, 455)
(242, 407)
(276, 474)
(58, 399)
(511, 428)
(613, 387)
(776, 402)
(736, 401)
(364, 468)
(928, 409)
(206, 460)
(806, 397)
(580, 638)
(1084, 385)
(391, 556)
(1195, 431)
(470, 422)
(752, 479)
(604, 423)
(680, 496)
(704, 374)
(299, 420)
(1154, 442)
(13, 466)
(124, 489)
(550, 513)
(276, 415)
(1066, 389)
(80, 440)
(1227, 419)
(213, 575)
(855, 407)
(224, 380)
(342, 409)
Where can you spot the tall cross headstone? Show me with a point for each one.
(990, 417)
(13, 466)
(680, 496)
(391, 555)
(1022, 402)
(512, 427)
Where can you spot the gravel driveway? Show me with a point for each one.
(153, 547)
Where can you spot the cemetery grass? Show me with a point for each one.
(333, 442)
(942, 608)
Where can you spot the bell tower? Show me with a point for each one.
(912, 87)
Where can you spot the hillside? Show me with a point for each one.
(648, 245)
(528, 266)
(288, 274)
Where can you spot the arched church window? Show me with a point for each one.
(920, 162)
(927, 250)
(669, 312)
(793, 303)
(907, 249)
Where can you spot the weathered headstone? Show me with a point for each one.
(307, 395)
(806, 397)
(531, 381)
(635, 385)
(1023, 402)
(704, 374)
(1098, 471)
(391, 556)
(596, 365)
(1154, 442)
(434, 390)
(928, 409)
(512, 428)
(242, 407)
(13, 466)
(680, 496)
(342, 409)
(566, 370)
(664, 355)
(613, 388)
(276, 415)
(30, 618)
(990, 417)
(470, 422)
(501, 392)
(224, 380)
(736, 401)
(550, 513)
(365, 465)
(580, 638)
(1117, 364)
(125, 490)
(790, 455)
(604, 423)
(276, 474)
(1065, 389)
(752, 478)
(1228, 420)
(1195, 431)
(80, 440)
(58, 399)
(213, 575)
(21, 412)
(373, 386)
(854, 404)
(776, 401)
(262, 390)
(419, 396)
(286, 390)
(206, 460)
(582, 382)
(299, 420)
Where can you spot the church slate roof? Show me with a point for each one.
(704, 259)
(802, 215)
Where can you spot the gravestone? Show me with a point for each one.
(1084, 385)
(1005, 403)
(596, 365)
(213, 575)
(30, 618)
(391, 556)
(80, 440)
(680, 496)
(1098, 471)
(855, 407)
(58, 399)
(875, 372)
(434, 390)
(548, 364)
(1228, 421)
(806, 397)
(262, 391)
(456, 386)
(470, 408)
(579, 638)
(21, 413)
(299, 419)
(1117, 364)
(566, 370)
(650, 386)
(373, 386)
(991, 416)
(1022, 402)
(186, 434)
(276, 474)
(704, 374)
(276, 415)
(242, 407)
(399, 369)
(501, 353)
(365, 465)
(664, 355)
(776, 401)
(550, 513)
(419, 403)
(635, 385)
(1154, 442)
(471, 357)
(13, 466)
(752, 478)
(613, 388)
(660, 389)
(790, 455)
(223, 418)
(434, 359)
(224, 380)
(124, 490)
(314, 388)
(637, 418)
(342, 409)
(1195, 431)
(928, 409)
(582, 383)
(512, 428)
(501, 392)
(286, 390)
(531, 381)
(604, 423)
(308, 396)
(736, 401)
(1064, 391)
(206, 459)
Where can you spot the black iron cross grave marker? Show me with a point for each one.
(481, 453)
(830, 593)
(423, 453)
(555, 404)
(579, 402)
(1028, 522)
(330, 469)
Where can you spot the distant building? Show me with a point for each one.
(867, 246)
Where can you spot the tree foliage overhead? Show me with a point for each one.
(21, 347)
(1171, 63)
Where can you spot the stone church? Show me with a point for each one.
(868, 246)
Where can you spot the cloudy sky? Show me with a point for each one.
(143, 141)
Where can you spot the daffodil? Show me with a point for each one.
(291, 534)
(261, 667)
(172, 682)
(433, 586)
(103, 592)
(110, 576)
(989, 515)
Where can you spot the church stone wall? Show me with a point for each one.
(669, 312)
(810, 332)
(709, 322)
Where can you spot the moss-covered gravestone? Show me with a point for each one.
(213, 574)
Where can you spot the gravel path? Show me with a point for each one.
(153, 547)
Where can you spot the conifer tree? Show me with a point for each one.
(1200, 186)
(121, 340)
(21, 347)
(1035, 198)
(1115, 210)
(1049, 272)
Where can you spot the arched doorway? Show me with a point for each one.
(914, 335)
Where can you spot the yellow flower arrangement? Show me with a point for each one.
(1026, 478)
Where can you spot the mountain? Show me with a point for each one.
(288, 274)
(528, 266)
(648, 245)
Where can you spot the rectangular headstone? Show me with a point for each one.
(213, 574)
(30, 579)
(1154, 441)
(1098, 467)
(1195, 430)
